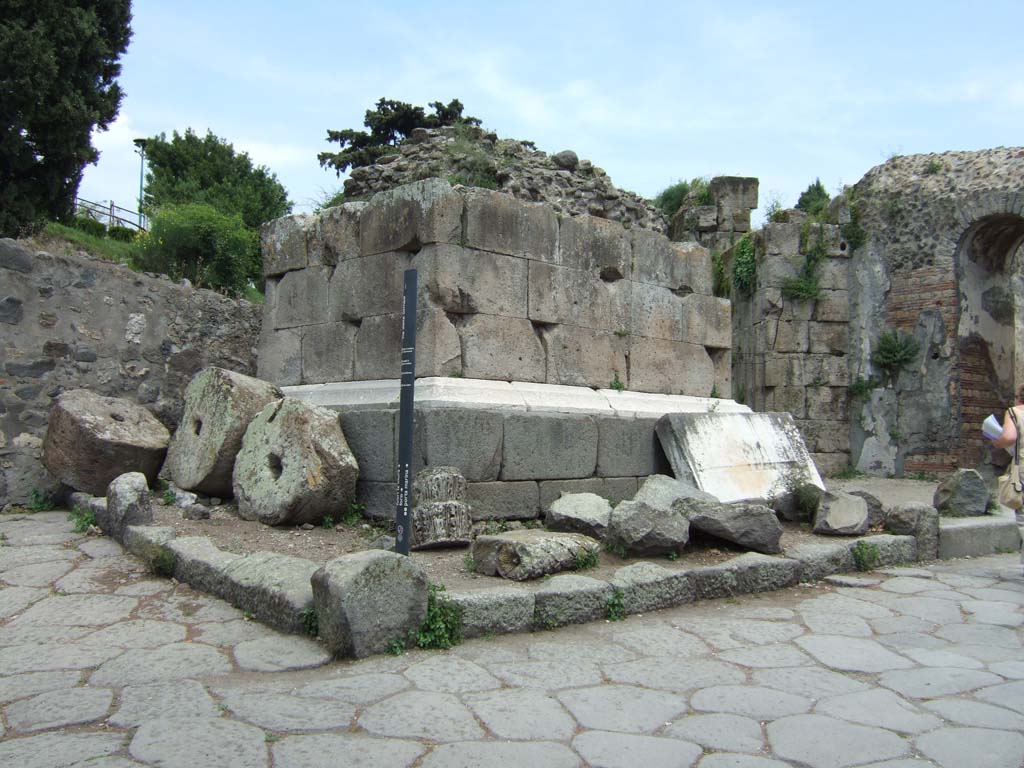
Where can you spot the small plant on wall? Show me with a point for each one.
(744, 266)
(894, 352)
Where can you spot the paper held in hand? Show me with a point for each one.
(991, 428)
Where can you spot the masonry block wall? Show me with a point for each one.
(791, 354)
(509, 290)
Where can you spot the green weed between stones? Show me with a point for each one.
(849, 473)
(894, 352)
(162, 563)
(617, 384)
(38, 501)
(310, 622)
(469, 563)
(616, 548)
(169, 497)
(585, 560)
(81, 519)
(615, 608)
(744, 266)
(328, 522)
(443, 626)
(866, 556)
(353, 513)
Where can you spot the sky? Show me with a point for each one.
(653, 92)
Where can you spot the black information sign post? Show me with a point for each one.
(403, 506)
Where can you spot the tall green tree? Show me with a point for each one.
(814, 199)
(390, 123)
(58, 72)
(189, 168)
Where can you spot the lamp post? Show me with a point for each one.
(140, 147)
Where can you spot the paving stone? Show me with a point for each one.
(984, 653)
(38, 634)
(55, 709)
(285, 712)
(231, 632)
(622, 708)
(451, 675)
(79, 610)
(181, 698)
(658, 640)
(549, 675)
(170, 662)
(418, 714)
(525, 714)
(57, 750)
(140, 633)
(15, 556)
(958, 580)
(852, 654)
(654, 673)
(837, 624)
(908, 585)
(901, 624)
(989, 612)
(823, 742)
(843, 580)
(750, 700)
(187, 742)
(280, 653)
(719, 731)
(930, 657)
(36, 574)
(45, 657)
(322, 751)
(487, 753)
(765, 656)
(726, 634)
(1010, 669)
(358, 689)
(187, 606)
(100, 546)
(763, 612)
(980, 635)
(812, 682)
(974, 713)
(845, 605)
(909, 763)
(13, 600)
(570, 653)
(740, 761)
(103, 576)
(927, 608)
(21, 686)
(976, 747)
(879, 708)
(1009, 695)
(621, 750)
(931, 682)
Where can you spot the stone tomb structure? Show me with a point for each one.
(547, 346)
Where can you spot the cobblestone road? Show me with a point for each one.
(102, 664)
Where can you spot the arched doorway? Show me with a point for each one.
(990, 351)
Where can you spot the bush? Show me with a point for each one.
(894, 352)
(744, 267)
(90, 226)
(814, 200)
(671, 199)
(197, 242)
(121, 234)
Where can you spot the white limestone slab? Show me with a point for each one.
(652, 404)
(561, 398)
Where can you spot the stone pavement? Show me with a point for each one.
(102, 664)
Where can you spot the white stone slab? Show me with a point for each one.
(736, 456)
(561, 398)
(652, 404)
(381, 393)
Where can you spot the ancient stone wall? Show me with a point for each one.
(469, 156)
(941, 262)
(71, 321)
(508, 291)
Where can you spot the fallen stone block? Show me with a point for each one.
(662, 492)
(648, 587)
(128, 503)
(746, 574)
(273, 588)
(496, 610)
(753, 526)
(841, 514)
(962, 494)
(195, 512)
(584, 513)
(639, 529)
(876, 513)
(294, 466)
(439, 484)
(366, 601)
(200, 564)
(437, 524)
(614, 489)
(92, 439)
(531, 553)
(219, 405)
(570, 599)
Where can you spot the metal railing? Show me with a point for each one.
(112, 215)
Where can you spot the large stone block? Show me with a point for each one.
(601, 247)
(832, 307)
(500, 223)
(825, 436)
(198, 563)
(962, 494)
(830, 403)
(469, 439)
(648, 587)
(272, 587)
(825, 370)
(558, 294)
(613, 489)
(834, 274)
(128, 503)
(301, 298)
(542, 446)
(497, 610)
(294, 466)
(219, 405)
(279, 357)
(408, 217)
(585, 513)
(584, 357)
(367, 286)
(335, 236)
(378, 346)
(683, 267)
(788, 336)
(466, 281)
(753, 526)
(736, 197)
(502, 348)
(783, 370)
(829, 338)
(640, 529)
(283, 244)
(656, 313)
(530, 553)
(781, 238)
(706, 320)
(746, 574)
(371, 438)
(367, 600)
(791, 400)
(628, 447)
(503, 500)
(670, 367)
(91, 439)
(721, 360)
(570, 599)
(328, 352)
